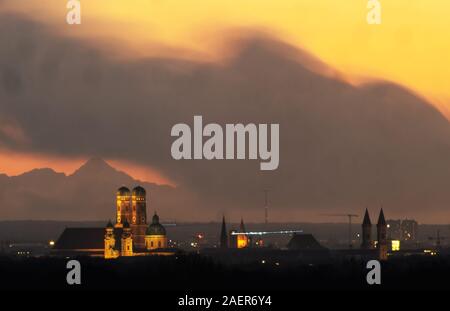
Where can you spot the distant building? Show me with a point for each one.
(131, 209)
(382, 245)
(235, 239)
(130, 236)
(155, 235)
(223, 235)
(242, 240)
(81, 241)
(304, 242)
(394, 230)
(403, 230)
(382, 240)
(367, 242)
(410, 230)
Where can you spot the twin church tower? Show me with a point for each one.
(130, 235)
(132, 210)
(381, 242)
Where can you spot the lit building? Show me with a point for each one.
(242, 240)
(395, 245)
(127, 241)
(138, 216)
(155, 235)
(131, 208)
(110, 242)
(129, 236)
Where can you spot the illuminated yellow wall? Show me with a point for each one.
(395, 245)
(127, 247)
(242, 241)
(123, 209)
(110, 243)
(155, 241)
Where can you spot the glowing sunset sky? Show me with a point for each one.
(410, 47)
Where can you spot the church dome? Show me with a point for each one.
(139, 191)
(155, 228)
(123, 191)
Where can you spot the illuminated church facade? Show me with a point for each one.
(131, 235)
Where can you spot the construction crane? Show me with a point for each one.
(350, 216)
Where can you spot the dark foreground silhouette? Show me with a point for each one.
(195, 272)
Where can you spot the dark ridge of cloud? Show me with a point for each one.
(342, 147)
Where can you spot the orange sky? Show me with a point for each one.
(16, 163)
(410, 47)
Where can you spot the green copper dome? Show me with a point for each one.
(155, 228)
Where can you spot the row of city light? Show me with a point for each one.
(267, 232)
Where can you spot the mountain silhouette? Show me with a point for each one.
(96, 169)
(87, 194)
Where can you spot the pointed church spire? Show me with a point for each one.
(366, 220)
(382, 237)
(242, 228)
(381, 220)
(223, 235)
(366, 232)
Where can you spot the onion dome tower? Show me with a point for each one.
(139, 216)
(123, 203)
(139, 212)
(127, 240)
(110, 242)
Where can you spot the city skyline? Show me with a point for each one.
(256, 217)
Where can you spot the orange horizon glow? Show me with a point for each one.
(16, 163)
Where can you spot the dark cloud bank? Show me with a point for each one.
(341, 147)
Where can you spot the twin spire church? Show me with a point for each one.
(131, 235)
(380, 244)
